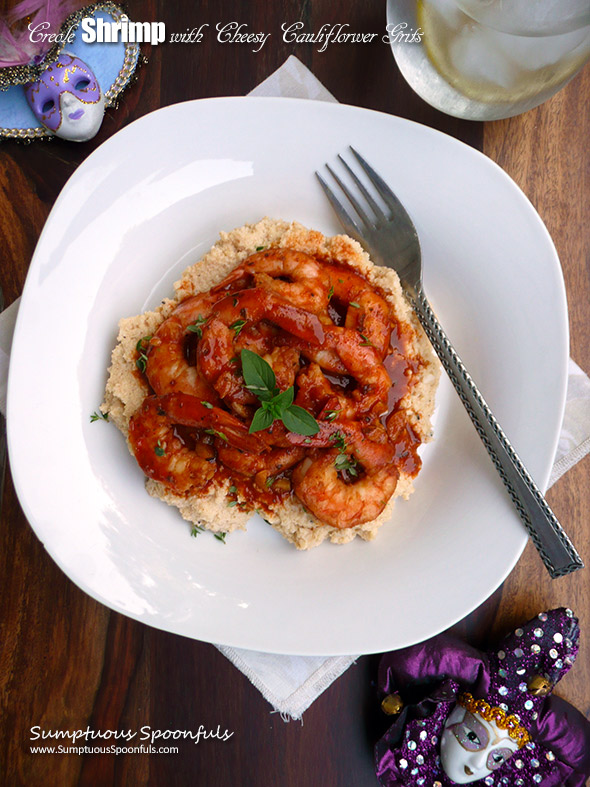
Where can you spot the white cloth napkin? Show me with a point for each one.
(292, 683)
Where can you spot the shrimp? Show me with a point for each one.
(189, 411)
(364, 364)
(338, 503)
(366, 311)
(347, 352)
(219, 321)
(293, 275)
(371, 320)
(324, 330)
(219, 364)
(245, 307)
(162, 455)
(318, 395)
(332, 484)
(259, 338)
(324, 357)
(373, 452)
(285, 364)
(346, 284)
(218, 348)
(167, 368)
(272, 463)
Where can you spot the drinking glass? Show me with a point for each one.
(488, 59)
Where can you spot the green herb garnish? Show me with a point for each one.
(197, 530)
(330, 292)
(276, 405)
(339, 442)
(237, 326)
(208, 405)
(260, 248)
(159, 449)
(98, 416)
(345, 462)
(355, 305)
(195, 327)
(365, 342)
(215, 433)
(141, 362)
(330, 415)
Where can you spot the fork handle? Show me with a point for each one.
(557, 551)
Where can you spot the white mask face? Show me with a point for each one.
(67, 99)
(79, 121)
(471, 748)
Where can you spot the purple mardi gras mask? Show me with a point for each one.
(67, 99)
(487, 719)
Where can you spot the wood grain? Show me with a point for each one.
(66, 662)
(544, 151)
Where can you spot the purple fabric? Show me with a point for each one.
(440, 657)
(566, 733)
(429, 676)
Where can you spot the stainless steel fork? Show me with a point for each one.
(391, 239)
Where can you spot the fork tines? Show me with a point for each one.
(389, 199)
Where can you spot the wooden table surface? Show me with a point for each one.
(67, 662)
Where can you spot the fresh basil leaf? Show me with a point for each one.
(258, 374)
(270, 407)
(262, 420)
(298, 420)
(284, 400)
(262, 393)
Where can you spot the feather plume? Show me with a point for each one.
(16, 47)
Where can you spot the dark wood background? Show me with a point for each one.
(66, 662)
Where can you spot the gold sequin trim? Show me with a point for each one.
(503, 720)
(24, 133)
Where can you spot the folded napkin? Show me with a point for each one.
(292, 683)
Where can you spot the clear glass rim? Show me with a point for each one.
(568, 16)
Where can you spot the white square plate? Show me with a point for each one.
(149, 202)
